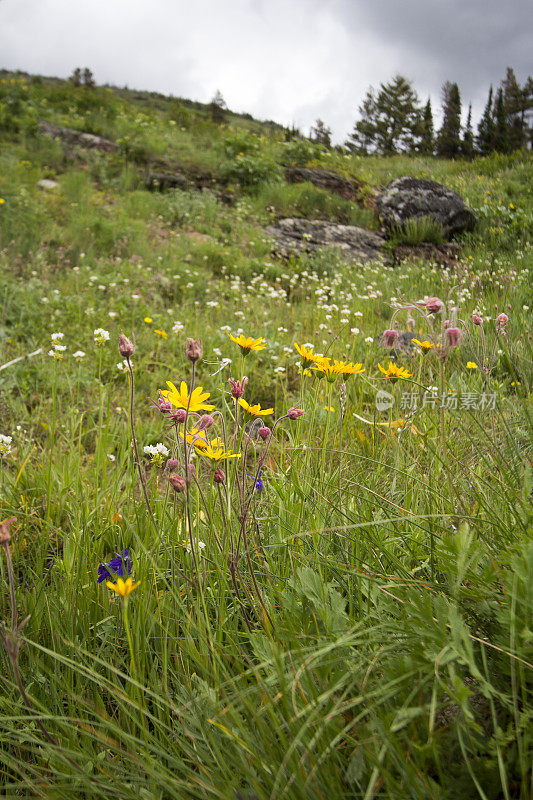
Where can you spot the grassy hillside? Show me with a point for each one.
(340, 607)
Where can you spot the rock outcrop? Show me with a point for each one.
(70, 136)
(160, 181)
(294, 236)
(410, 199)
(323, 179)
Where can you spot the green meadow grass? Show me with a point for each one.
(372, 636)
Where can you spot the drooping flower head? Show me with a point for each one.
(126, 347)
(181, 399)
(193, 349)
(501, 322)
(389, 337)
(454, 336)
(248, 343)
(434, 305)
(295, 413)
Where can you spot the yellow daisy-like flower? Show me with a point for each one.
(180, 399)
(471, 365)
(123, 588)
(2, 201)
(196, 437)
(255, 411)
(148, 320)
(394, 372)
(216, 451)
(346, 368)
(323, 366)
(425, 346)
(163, 334)
(248, 343)
(306, 354)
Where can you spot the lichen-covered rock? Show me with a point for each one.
(79, 138)
(294, 236)
(410, 198)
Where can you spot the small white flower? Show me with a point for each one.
(112, 314)
(217, 351)
(57, 354)
(201, 546)
(136, 297)
(101, 336)
(157, 452)
(60, 348)
(225, 328)
(177, 327)
(5, 444)
(78, 355)
(56, 337)
(111, 457)
(358, 313)
(279, 370)
(369, 340)
(355, 331)
(122, 366)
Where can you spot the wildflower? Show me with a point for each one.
(346, 368)
(247, 343)
(196, 437)
(295, 413)
(454, 336)
(425, 346)
(434, 305)
(255, 411)
(178, 484)
(2, 201)
(501, 322)
(126, 347)
(181, 398)
(121, 563)
(148, 320)
(123, 366)
(123, 588)
(177, 327)
(306, 353)
(56, 352)
(237, 387)
(323, 366)
(259, 483)
(394, 372)
(389, 337)
(201, 546)
(205, 422)
(111, 457)
(193, 349)
(477, 319)
(471, 365)
(163, 334)
(5, 444)
(369, 340)
(78, 355)
(264, 433)
(217, 452)
(219, 476)
(157, 452)
(56, 337)
(101, 336)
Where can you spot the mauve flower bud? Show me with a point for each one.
(446, 323)
(501, 321)
(295, 413)
(5, 535)
(237, 388)
(454, 336)
(178, 483)
(263, 433)
(126, 347)
(178, 416)
(172, 463)
(434, 305)
(477, 320)
(389, 337)
(193, 349)
(165, 406)
(205, 422)
(219, 476)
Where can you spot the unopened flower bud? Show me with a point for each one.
(295, 413)
(219, 476)
(172, 463)
(205, 422)
(477, 319)
(178, 483)
(501, 321)
(178, 416)
(454, 336)
(263, 433)
(389, 337)
(193, 349)
(126, 347)
(434, 305)
(237, 388)
(165, 406)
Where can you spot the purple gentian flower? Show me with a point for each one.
(103, 573)
(121, 562)
(259, 484)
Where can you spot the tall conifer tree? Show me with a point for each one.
(449, 138)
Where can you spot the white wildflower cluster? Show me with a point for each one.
(78, 355)
(101, 336)
(122, 366)
(57, 348)
(5, 444)
(177, 327)
(157, 452)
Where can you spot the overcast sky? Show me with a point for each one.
(287, 60)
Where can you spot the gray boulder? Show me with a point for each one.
(294, 236)
(69, 136)
(160, 181)
(410, 198)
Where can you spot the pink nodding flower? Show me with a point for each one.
(126, 347)
(205, 422)
(172, 463)
(263, 433)
(237, 388)
(477, 319)
(295, 413)
(178, 416)
(165, 406)
(501, 321)
(454, 336)
(178, 483)
(219, 476)
(389, 337)
(434, 305)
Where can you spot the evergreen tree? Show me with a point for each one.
(449, 138)
(467, 146)
(75, 78)
(321, 134)
(427, 131)
(218, 108)
(88, 78)
(390, 121)
(485, 129)
(514, 102)
(501, 132)
(527, 111)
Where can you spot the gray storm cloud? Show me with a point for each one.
(288, 61)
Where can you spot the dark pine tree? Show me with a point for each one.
(485, 129)
(501, 131)
(427, 131)
(514, 102)
(321, 134)
(449, 138)
(467, 145)
(75, 78)
(88, 78)
(218, 108)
